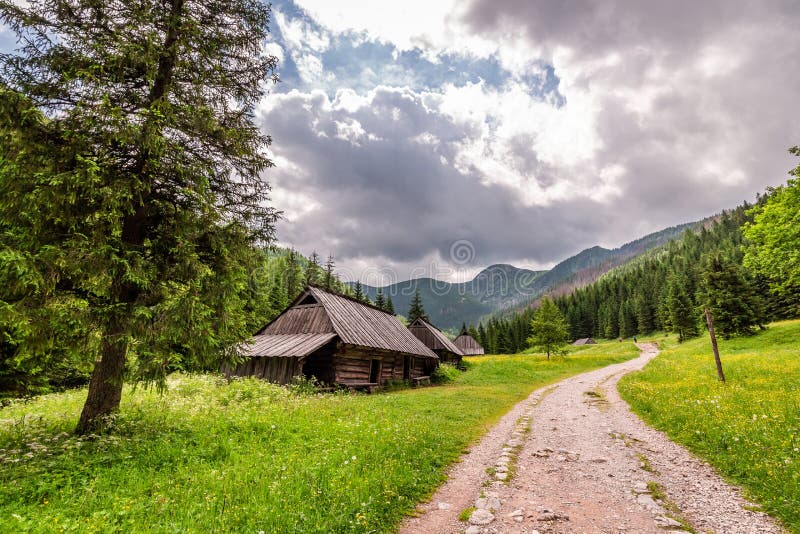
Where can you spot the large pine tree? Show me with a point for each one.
(131, 176)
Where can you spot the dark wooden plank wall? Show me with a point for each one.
(345, 363)
(449, 357)
(276, 370)
(352, 364)
(424, 334)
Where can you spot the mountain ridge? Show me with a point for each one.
(503, 287)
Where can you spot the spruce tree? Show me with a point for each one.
(358, 291)
(482, 336)
(627, 323)
(312, 269)
(644, 315)
(472, 331)
(277, 297)
(729, 293)
(682, 315)
(131, 177)
(504, 345)
(549, 329)
(390, 305)
(416, 310)
(379, 300)
(292, 275)
(329, 277)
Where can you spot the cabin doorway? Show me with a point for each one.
(374, 371)
(406, 367)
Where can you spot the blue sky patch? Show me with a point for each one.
(358, 62)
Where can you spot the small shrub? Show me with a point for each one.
(304, 386)
(444, 373)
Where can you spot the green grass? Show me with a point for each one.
(749, 427)
(465, 513)
(248, 456)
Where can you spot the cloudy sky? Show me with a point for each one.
(440, 136)
(530, 129)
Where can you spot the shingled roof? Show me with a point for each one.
(467, 344)
(432, 336)
(273, 345)
(317, 311)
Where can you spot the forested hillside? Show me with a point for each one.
(666, 289)
(508, 289)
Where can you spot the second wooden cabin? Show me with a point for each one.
(467, 344)
(434, 339)
(339, 341)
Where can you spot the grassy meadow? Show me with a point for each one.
(248, 456)
(749, 427)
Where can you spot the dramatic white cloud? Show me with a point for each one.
(414, 24)
(531, 128)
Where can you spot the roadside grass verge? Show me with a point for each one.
(248, 456)
(749, 427)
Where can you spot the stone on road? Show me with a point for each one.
(587, 464)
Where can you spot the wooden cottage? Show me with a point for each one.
(585, 341)
(467, 344)
(338, 340)
(434, 339)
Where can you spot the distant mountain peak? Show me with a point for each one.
(502, 286)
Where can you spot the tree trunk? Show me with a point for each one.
(710, 322)
(105, 386)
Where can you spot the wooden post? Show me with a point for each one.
(710, 322)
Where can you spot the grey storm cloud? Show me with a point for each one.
(741, 112)
(715, 84)
(392, 196)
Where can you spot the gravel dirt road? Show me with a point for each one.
(572, 458)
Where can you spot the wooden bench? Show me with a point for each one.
(421, 380)
(366, 386)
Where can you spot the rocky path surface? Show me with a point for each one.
(573, 458)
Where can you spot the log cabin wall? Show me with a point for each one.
(351, 369)
(397, 367)
(334, 364)
(353, 364)
(276, 370)
(449, 357)
(419, 367)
